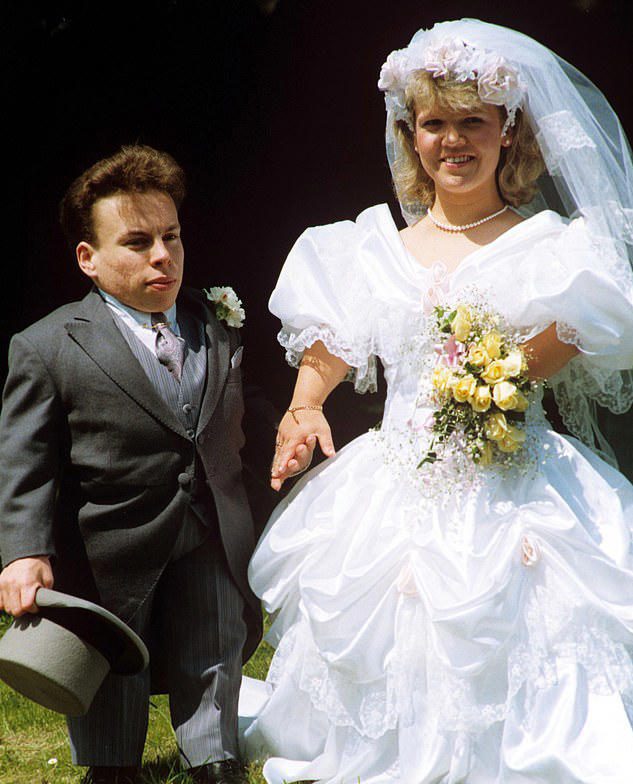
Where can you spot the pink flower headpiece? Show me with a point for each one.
(498, 82)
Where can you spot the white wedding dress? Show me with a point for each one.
(437, 626)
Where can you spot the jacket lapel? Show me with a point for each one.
(93, 328)
(218, 356)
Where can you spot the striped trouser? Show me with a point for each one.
(197, 611)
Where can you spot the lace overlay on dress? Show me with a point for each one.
(419, 689)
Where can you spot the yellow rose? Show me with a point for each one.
(486, 455)
(492, 343)
(478, 356)
(442, 379)
(464, 388)
(462, 324)
(513, 363)
(505, 396)
(512, 440)
(481, 399)
(522, 402)
(496, 426)
(495, 372)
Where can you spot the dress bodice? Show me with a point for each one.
(355, 287)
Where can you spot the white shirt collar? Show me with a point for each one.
(140, 317)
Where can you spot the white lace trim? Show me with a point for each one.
(580, 385)
(362, 364)
(419, 689)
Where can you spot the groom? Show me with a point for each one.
(120, 442)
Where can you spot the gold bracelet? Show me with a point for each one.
(302, 408)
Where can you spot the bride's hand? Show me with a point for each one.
(296, 441)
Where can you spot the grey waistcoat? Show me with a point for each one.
(184, 400)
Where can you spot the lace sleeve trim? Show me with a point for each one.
(581, 385)
(362, 364)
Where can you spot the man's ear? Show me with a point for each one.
(85, 252)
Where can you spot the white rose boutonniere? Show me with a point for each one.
(228, 306)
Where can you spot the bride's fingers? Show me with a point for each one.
(326, 443)
(311, 442)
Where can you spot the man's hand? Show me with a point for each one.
(19, 582)
(297, 463)
(296, 440)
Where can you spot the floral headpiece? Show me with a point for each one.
(498, 82)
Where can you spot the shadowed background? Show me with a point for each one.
(273, 111)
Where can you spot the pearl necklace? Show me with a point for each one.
(465, 226)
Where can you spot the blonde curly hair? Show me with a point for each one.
(520, 164)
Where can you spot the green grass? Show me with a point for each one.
(34, 745)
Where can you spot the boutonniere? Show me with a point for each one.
(228, 306)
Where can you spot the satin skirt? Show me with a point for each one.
(483, 639)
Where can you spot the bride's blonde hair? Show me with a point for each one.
(520, 164)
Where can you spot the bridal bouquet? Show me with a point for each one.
(480, 387)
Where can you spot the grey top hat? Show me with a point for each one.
(60, 656)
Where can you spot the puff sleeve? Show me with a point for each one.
(572, 280)
(583, 284)
(323, 295)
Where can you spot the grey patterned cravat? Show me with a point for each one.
(170, 349)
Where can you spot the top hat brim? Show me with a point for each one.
(124, 650)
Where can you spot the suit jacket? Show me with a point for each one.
(99, 472)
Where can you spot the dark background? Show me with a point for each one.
(272, 109)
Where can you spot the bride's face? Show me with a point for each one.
(460, 150)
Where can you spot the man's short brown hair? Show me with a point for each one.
(133, 169)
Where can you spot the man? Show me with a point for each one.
(119, 451)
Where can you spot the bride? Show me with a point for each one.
(460, 619)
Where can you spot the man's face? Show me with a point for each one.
(137, 256)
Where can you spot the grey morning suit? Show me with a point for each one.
(133, 483)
